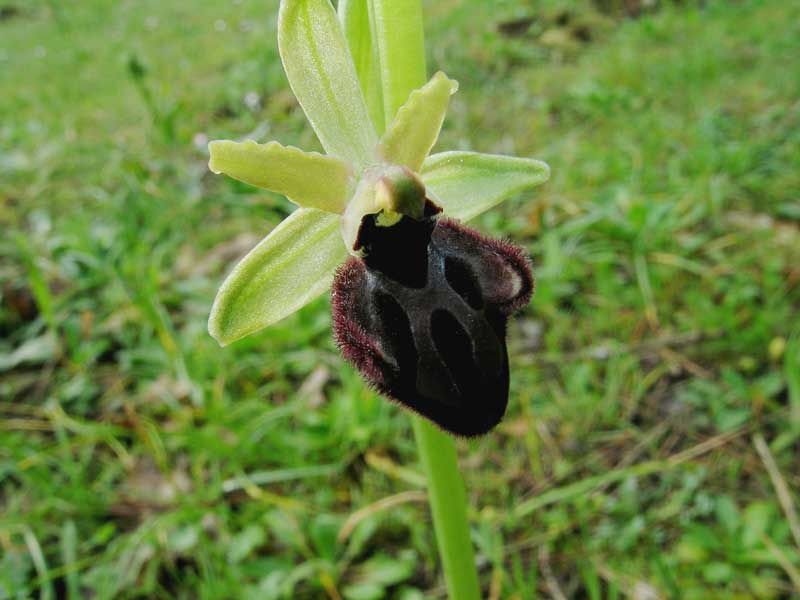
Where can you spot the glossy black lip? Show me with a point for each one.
(423, 318)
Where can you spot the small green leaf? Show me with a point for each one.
(718, 572)
(243, 543)
(467, 183)
(309, 179)
(364, 591)
(317, 62)
(756, 521)
(359, 29)
(293, 265)
(416, 126)
(322, 531)
(32, 351)
(727, 514)
(389, 570)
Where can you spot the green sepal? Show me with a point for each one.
(308, 179)
(293, 265)
(359, 29)
(320, 70)
(415, 128)
(466, 184)
(401, 48)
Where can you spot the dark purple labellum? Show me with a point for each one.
(423, 318)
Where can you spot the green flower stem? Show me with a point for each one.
(448, 501)
(401, 46)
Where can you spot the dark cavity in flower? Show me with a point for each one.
(423, 317)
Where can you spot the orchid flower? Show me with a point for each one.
(420, 306)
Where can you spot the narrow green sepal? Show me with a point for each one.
(415, 128)
(466, 184)
(359, 29)
(317, 61)
(401, 48)
(290, 267)
(308, 179)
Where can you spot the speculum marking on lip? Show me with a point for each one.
(423, 318)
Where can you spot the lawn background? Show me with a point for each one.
(651, 444)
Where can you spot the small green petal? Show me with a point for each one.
(309, 179)
(415, 128)
(320, 70)
(467, 183)
(293, 265)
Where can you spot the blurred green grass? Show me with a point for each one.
(650, 448)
